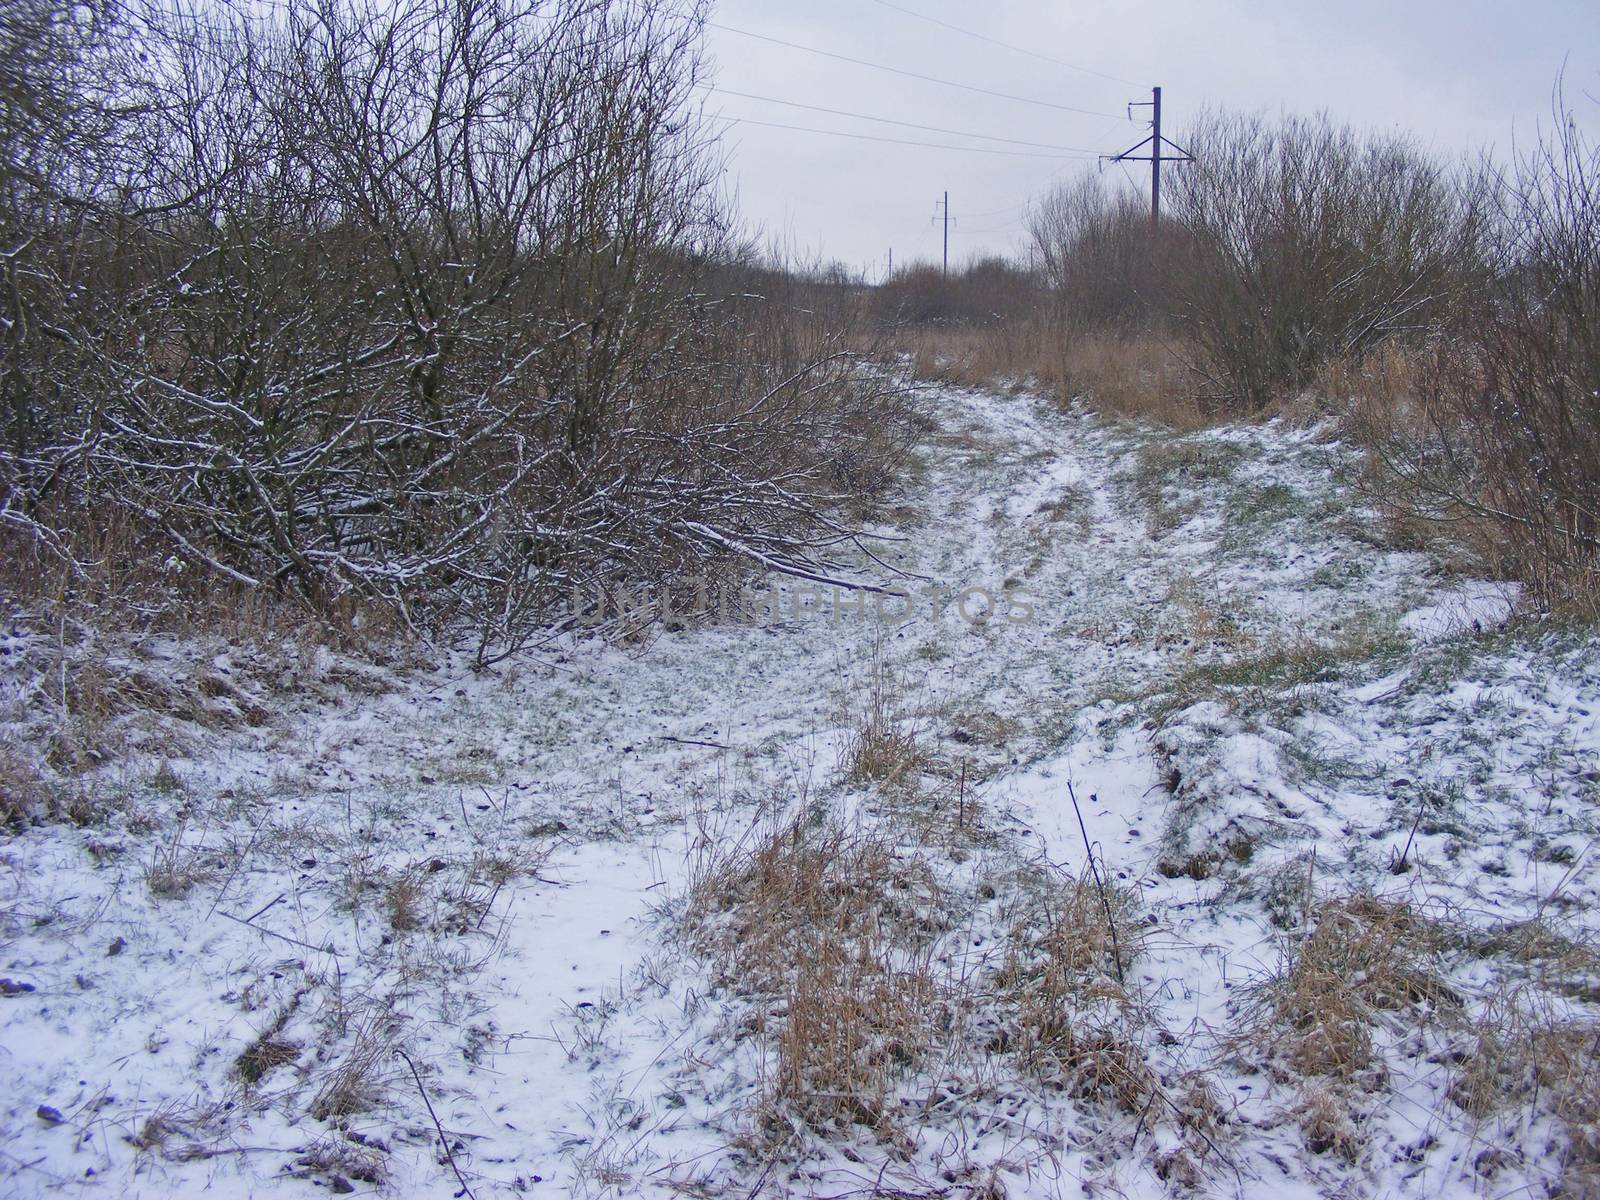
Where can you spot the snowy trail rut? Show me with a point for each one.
(1128, 571)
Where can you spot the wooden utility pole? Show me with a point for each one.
(1155, 158)
(947, 235)
(945, 205)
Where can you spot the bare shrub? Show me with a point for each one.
(991, 292)
(1504, 438)
(414, 307)
(1087, 319)
(1094, 248)
(1306, 241)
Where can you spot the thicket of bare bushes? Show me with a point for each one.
(1286, 244)
(431, 306)
(1094, 249)
(990, 291)
(1303, 241)
(1497, 425)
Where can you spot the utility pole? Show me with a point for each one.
(1155, 158)
(945, 205)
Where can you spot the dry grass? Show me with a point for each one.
(839, 941)
(265, 1055)
(1363, 956)
(828, 930)
(445, 897)
(176, 868)
(1074, 1023)
(1064, 979)
(1523, 1053)
(855, 1016)
(885, 742)
(269, 1049)
(1326, 1123)
(28, 796)
(1446, 487)
(360, 1077)
(1363, 961)
(1381, 399)
(403, 899)
(341, 1159)
(1140, 376)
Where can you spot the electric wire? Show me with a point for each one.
(983, 37)
(839, 112)
(996, 212)
(861, 62)
(868, 137)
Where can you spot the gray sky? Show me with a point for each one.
(1457, 74)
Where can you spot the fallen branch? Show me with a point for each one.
(466, 1189)
(1111, 925)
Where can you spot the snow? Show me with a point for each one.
(567, 1040)
(1475, 605)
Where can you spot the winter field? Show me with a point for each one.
(1174, 834)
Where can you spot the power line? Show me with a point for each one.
(867, 137)
(966, 87)
(983, 37)
(995, 212)
(839, 112)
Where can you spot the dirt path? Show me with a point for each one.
(481, 871)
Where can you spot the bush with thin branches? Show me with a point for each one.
(412, 306)
(1306, 241)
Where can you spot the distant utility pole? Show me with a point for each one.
(1155, 158)
(945, 205)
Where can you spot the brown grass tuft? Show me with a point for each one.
(263, 1056)
(176, 868)
(359, 1078)
(1326, 1124)
(1070, 1009)
(1363, 956)
(403, 899)
(1525, 1053)
(829, 930)
(885, 743)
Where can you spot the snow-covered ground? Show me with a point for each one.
(290, 948)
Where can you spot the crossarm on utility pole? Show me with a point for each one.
(1155, 158)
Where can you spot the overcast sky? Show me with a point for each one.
(1458, 74)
